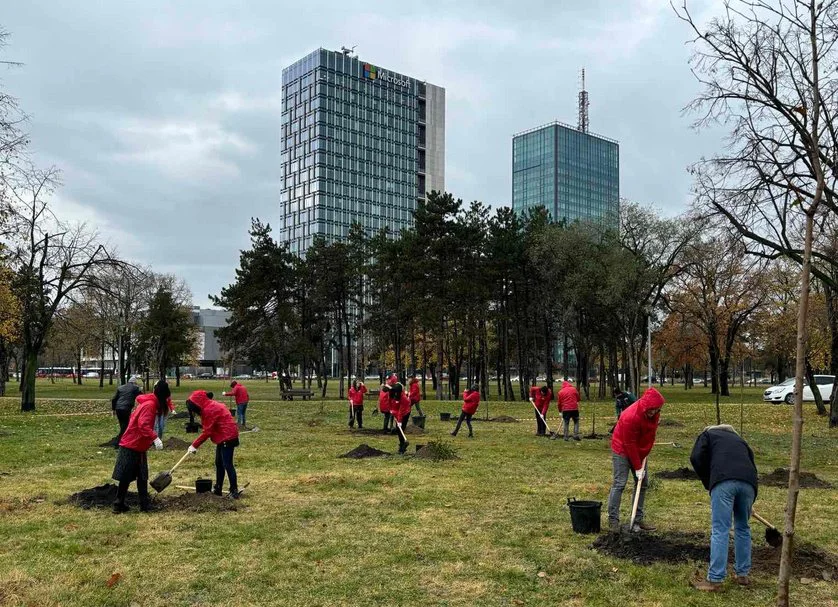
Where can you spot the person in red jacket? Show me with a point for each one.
(221, 429)
(541, 400)
(631, 443)
(568, 400)
(356, 403)
(414, 394)
(131, 460)
(400, 411)
(471, 400)
(384, 406)
(239, 392)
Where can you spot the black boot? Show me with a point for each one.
(216, 490)
(120, 507)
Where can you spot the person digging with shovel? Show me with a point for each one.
(400, 411)
(384, 406)
(131, 461)
(725, 464)
(631, 444)
(542, 399)
(471, 400)
(221, 429)
(356, 403)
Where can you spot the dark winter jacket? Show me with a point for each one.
(720, 454)
(125, 396)
(623, 401)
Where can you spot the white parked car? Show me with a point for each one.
(784, 392)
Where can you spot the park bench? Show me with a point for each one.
(300, 392)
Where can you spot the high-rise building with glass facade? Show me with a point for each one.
(360, 143)
(573, 174)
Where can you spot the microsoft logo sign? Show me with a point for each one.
(370, 71)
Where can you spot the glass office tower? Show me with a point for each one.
(360, 143)
(574, 175)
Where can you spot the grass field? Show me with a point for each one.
(491, 528)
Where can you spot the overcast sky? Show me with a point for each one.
(164, 116)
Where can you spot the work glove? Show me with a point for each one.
(191, 450)
(640, 474)
(158, 444)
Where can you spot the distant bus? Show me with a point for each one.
(54, 372)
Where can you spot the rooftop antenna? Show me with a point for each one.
(348, 51)
(584, 121)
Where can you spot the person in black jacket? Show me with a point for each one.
(725, 464)
(122, 404)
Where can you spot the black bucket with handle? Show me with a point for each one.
(203, 485)
(419, 420)
(444, 417)
(584, 515)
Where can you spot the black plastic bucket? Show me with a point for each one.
(233, 413)
(419, 420)
(584, 515)
(203, 485)
(444, 417)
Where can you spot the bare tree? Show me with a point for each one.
(768, 71)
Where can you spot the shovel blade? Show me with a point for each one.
(773, 538)
(161, 481)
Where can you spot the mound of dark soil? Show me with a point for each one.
(411, 429)
(111, 443)
(175, 443)
(437, 451)
(362, 451)
(368, 431)
(671, 423)
(780, 478)
(100, 497)
(200, 502)
(504, 419)
(676, 547)
(680, 474)
(594, 436)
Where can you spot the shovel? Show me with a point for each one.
(164, 479)
(253, 429)
(676, 445)
(772, 536)
(544, 421)
(637, 495)
(404, 438)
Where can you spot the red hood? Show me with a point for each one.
(651, 399)
(199, 398)
(393, 379)
(567, 384)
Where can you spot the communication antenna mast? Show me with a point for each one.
(583, 106)
(348, 51)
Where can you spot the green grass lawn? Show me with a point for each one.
(316, 530)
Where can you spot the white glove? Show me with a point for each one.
(192, 450)
(223, 394)
(158, 444)
(640, 474)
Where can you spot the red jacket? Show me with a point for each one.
(384, 401)
(219, 425)
(471, 400)
(634, 435)
(356, 397)
(542, 401)
(240, 393)
(140, 431)
(568, 397)
(413, 393)
(401, 407)
(534, 390)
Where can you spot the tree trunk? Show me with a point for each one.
(177, 376)
(4, 366)
(439, 360)
(27, 385)
(797, 422)
(816, 392)
(78, 360)
(102, 364)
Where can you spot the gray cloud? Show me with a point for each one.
(164, 117)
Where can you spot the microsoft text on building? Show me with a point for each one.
(372, 72)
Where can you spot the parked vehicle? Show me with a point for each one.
(205, 376)
(784, 392)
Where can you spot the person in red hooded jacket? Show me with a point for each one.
(568, 400)
(414, 394)
(384, 406)
(631, 444)
(220, 427)
(131, 460)
(356, 403)
(400, 411)
(242, 398)
(471, 400)
(541, 397)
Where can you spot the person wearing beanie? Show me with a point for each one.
(122, 404)
(471, 400)
(384, 406)
(160, 422)
(400, 412)
(725, 464)
(631, 444)
(220, 427)
(131, 460)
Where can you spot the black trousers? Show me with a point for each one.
(467, 417)
(142, 492)
(123, 416)
(356, 414)
(224, 463)
(540, 425)
(388, 421)
(402, 440)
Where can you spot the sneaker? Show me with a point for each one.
(706, 585)
(471, 435)
(216, 490)
(614, 526)
(643, 526)
(235, 494)
(576, 438)
(145, 507)
(742, 580)
(453, 434)
(119, 508)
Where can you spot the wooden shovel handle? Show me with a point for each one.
(399, 426)
(763, 521)
(185, 455)
(637, 495)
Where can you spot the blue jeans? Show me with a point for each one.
(730, 499)
(224, 464)
(240, 413)
(622, 469)
(159, 425)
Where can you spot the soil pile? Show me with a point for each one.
(678, 547)
(780, 478)
(504, 419)
(100, 497)
(671, 423)
(368, 431)
(411, 429)
(362, 451)
(175, 443)
(680, 474)
(437, 451)
(594, 436)
(200, 502)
